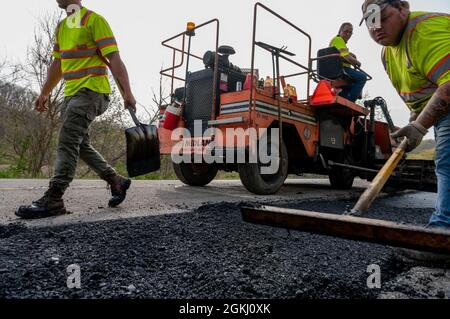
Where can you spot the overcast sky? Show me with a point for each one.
(140, 26)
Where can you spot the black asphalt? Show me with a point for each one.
(206, 253)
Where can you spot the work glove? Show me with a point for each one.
(414, 132)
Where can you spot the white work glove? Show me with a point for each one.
(414, 132)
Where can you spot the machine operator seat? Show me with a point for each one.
(330, 68)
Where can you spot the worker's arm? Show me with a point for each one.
(413, 116)
(429, 48)
(351, 58)
(107, 47)
(437, 108)
(339, 43)
(120, 73)
(54, 75)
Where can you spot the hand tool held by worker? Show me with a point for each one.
(367, 198)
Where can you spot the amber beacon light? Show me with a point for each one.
(190, 28)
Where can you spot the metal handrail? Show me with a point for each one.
(308, 69)
(252, 100)
(189, 54)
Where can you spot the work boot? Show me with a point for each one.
(119, 186)
(51, 204)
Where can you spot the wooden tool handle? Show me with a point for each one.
(367, 198)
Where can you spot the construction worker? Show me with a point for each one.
(80, 40)
(353, 91)
(416, 56)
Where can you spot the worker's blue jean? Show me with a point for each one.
(353, 91)
(441, 217)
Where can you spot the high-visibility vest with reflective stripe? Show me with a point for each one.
(420, 63)
(339, 43)
(80, 38)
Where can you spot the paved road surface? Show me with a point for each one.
(87, 200)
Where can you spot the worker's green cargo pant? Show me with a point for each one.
(77, 114)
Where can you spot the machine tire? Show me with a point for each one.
(341, 178)
(195, 174)
(258, 184)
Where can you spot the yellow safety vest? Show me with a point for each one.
(339, 43)
(79, 38)
(420, 63)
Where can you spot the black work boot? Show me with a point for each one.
(51, 204)
(119, 186)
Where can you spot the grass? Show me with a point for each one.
(425, 151)
(424, 155)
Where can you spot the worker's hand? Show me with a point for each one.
(40, 103)
(414, 132)
(129, 101)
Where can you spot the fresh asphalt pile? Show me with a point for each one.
(206, 253)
